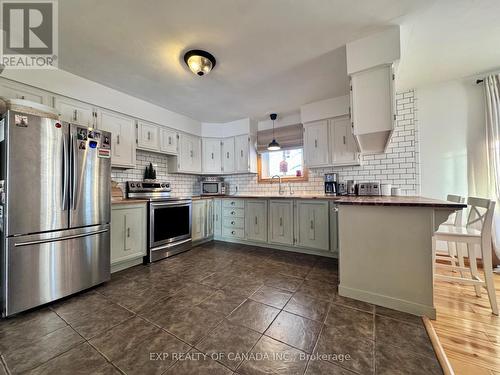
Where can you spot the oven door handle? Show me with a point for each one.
(170, 204)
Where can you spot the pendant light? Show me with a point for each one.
(273, 146)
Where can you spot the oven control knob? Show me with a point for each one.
(138, 185)
(132, 185)
(162, 185)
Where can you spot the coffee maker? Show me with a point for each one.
(331, 183)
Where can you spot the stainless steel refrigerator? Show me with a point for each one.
(55, 209)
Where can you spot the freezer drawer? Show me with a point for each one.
(44, 267)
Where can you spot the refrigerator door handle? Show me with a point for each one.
(65, 174)
(74, 176)
(37, 242)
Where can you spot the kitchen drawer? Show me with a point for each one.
(233, 212)
(234, 222)
(233, 203)
(233, 232)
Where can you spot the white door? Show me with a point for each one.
(256, 220)
(12, 90)
(316, 143)
(228, 155)
(217, 217)
(148, 136)
(189, 154)
(211, 151)
(75, 112)
(242, 151)
(343, 146)
(311, 224)
(281, 222)
(372, 100)
(122, 130)
(168, 141)
(198, 220)
(128, 232)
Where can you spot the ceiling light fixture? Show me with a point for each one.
(273, 146)
(199, 62)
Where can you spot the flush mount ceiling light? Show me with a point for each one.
(273, 146)
(199, 62)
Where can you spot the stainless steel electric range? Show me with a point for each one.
(169, 219)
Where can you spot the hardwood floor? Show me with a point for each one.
(468, 331)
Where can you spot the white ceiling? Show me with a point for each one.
(448, 40)
(272, 55)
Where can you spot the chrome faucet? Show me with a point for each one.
(281, 192)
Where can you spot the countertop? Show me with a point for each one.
(342, 200)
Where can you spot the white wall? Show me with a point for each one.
(66, 84)
(451, 130)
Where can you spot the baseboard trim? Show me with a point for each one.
(126, 264)
(328, 254)
(438, 348)
(389, 302)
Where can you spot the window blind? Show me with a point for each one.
(289, 137)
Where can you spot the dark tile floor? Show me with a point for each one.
(218, 309)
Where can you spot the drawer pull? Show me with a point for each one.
(233, 203)
(232, 212)
(232, 222)
(232, 232)
(281, 221)
(312, 224)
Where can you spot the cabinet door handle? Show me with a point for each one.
(75, 115)
(22, 97)
(232, 222)
(316, 143)
(191, 153)
(241, 152)
(344, 139)
(312, 224)
(169, 140)
(212, 156)
(149, 136)
(255, 220)
(281, 221)
(233, 203)
(232, 232)
(118, 139)
(128, 232)
(232, 212)
(227, 155)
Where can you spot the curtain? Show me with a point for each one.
(492, 97)
(289, 137)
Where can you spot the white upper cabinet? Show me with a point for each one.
(148, 136)
(211, 151)
(122, 130)
(12, 90)
(228, 161)
(168, 141)
(343, 146)
(311, 224)
(188, 159)
(316, 143)
(245, 154)
(372, 108)
(76, 112)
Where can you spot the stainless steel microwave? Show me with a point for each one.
(212, 186)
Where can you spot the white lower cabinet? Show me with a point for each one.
(128, 233)
(217, 217)
(256, 220)
(209, 221)
(311, 224)
(281, 222)
(198, 218)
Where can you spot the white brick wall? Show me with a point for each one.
(399, 166)
(181, 184)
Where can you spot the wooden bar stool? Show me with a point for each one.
(454, 255)
(477, 232)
